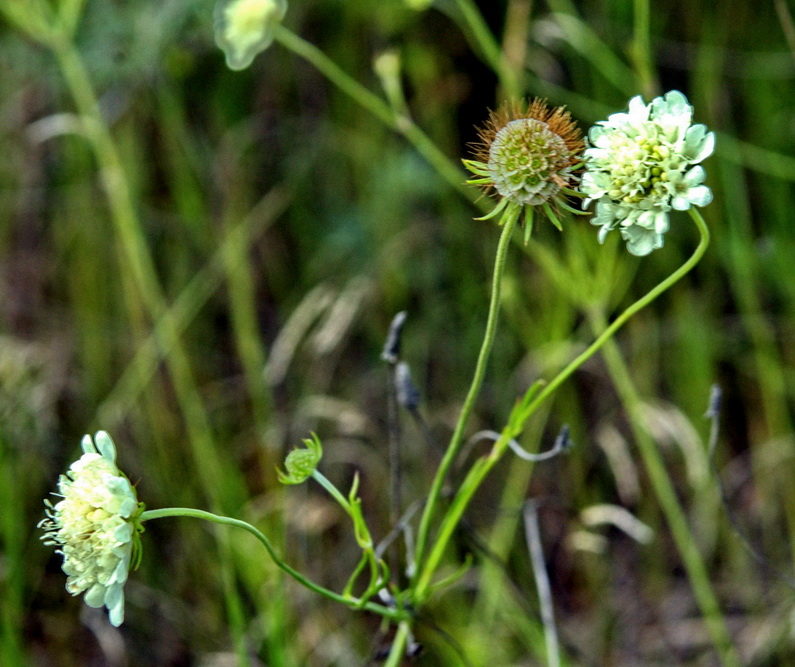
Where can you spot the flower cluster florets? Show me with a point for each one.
(641, 164)
(95, 526)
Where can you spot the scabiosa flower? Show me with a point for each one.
(640, 165)
(529, 156)
(244, 28)
(96, 526)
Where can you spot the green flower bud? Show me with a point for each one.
(301, 463)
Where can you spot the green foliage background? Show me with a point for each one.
(287, 225)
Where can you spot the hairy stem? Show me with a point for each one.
(510, 217)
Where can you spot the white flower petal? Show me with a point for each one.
(675, 104)
(595, 133)
(695, 176)
(641, 242)
(680, 203)
(95, 596)
(87, 445)
(638, 111)
(115, 604)
(700, 195)
(647, 220)
(661, 222)
(105, 446)
(699, 144)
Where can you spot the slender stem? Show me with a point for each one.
(490, 47)
(640, 48)
(402, 124)
(483, 466)
(399, 645)
(333, 490)
(396, 615)
(395, 469)
(641, 303)
(243, 311)
(510, 217)
(534, 546)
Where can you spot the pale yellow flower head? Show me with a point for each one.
(244, 28)
(95, 526)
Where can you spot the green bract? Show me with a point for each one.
(95, 526)
(244, 28)
(640, 165)
(301, 463)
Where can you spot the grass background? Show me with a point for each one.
(286, 226)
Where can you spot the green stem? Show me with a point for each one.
(666, 496)
(488, 45)
(510, 217)
(640, 48)
(333, 490)
(396, 615)
(399, 645)
(402, 124)
(243, 310)
(483, 466)
(640, 304)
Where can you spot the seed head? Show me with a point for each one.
(529, 155)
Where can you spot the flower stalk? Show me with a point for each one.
(481, 468)
(394, 614)
(509, 220)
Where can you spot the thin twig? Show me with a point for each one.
(391, 355)
(562, 444)
(402, 526)
(533, 537)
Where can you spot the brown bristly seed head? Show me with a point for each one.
(544, 147)
(558, 119)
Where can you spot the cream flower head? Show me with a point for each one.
(641, 164)
(244, 28)
(95, 526)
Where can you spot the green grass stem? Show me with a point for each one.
(666, 496)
